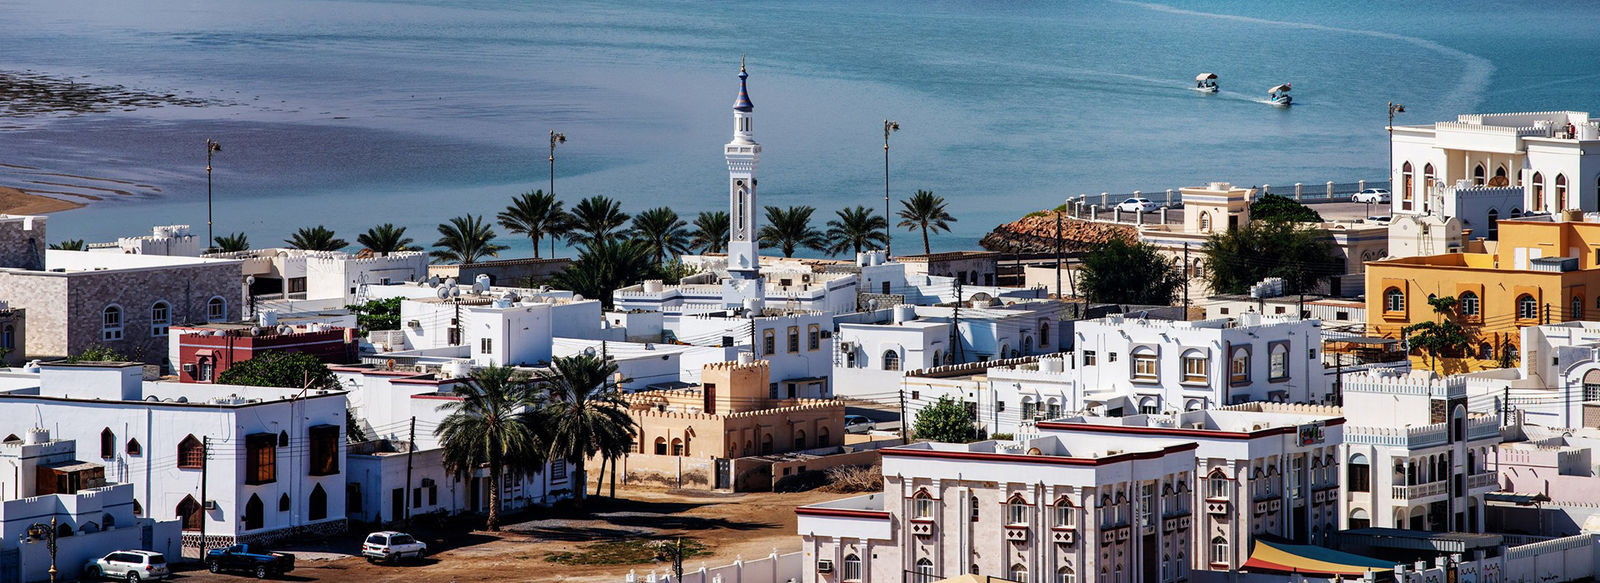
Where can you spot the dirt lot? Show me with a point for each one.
(728, 525)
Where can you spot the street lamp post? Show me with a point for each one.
(1394, 108)
(212, 146)
(555, 138)
(888, 235)
(37, 531)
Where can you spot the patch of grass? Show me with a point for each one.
(633, 551)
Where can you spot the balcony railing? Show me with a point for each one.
(1419, 490)
(1485, 480)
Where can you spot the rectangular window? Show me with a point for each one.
(486, 346)
(297, 285)
(1147, 503)
(1195, 369)
(261, 458)
(1030, 409)
(769, 343)
(558, 471)
(922, 507)
(1088, 358)
(416, 497)
(1065, 517)
(1278, 362)
(1144, 367)
(1016, 513)
(1217, 487)
(813, 337)
(1297, 470)
(324, 450)
(1111, 357)
(160, 319)
(433, 494)
(1239, 370)
(794, 339)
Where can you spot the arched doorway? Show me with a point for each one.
(254, 511)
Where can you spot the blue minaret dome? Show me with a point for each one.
(743, 103)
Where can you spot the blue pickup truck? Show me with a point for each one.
(242, 558)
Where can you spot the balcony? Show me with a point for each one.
(1420, 490)
(1214, 506)
(921, 528)
(1016, 534)
(1485, 480)
(1065, 537)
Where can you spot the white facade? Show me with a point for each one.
(335, 274)
(797, 345)
(873, 358)
(171, 240)
(148, 434)
(744, 282)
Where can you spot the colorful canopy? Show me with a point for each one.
(1277, 557)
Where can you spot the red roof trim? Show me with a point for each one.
(840, 512)
(1040, 459)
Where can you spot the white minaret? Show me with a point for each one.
(743, 153)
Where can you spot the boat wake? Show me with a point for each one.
(1467, 94)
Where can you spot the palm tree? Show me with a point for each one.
(536, 215)
(596, 217)
(710, 234)
(789, 229)
(604, 266)
(925, 210)
(493, 424)
(584, 412)
(856, 228)
(386, 238)
(662, 233)
(466, 240)
(318, 238)
(232, 243)
(69, 245)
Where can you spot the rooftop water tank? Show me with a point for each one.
(37, 435)
(1589, 131)
(653, 286)
(904, 313)
(746, 358)
(269, 318)
(458, 368)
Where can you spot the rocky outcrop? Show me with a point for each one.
(1036, 233)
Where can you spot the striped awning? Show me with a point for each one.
(1276, 557)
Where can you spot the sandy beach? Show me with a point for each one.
(17, 202)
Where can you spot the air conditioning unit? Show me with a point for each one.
(188, 367)
(211, 505)
(847, 346)
(824, 565)
(422, 368)
(414, 323)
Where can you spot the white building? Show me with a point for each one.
(1415, 457)
(42, 481)
(171, 240)
(283, 273)
(1089, 508)
(797, 345)
(1484, 167)
(271, 459)
(873, 358)
(1261, 473)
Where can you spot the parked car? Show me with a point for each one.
(1380, 220)
(1138, 205)
(1371, 195)
(243, 558)
(392, 546)
(858, 424)
(133, 566)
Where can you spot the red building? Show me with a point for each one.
(204, 352)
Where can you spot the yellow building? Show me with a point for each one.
(1542, 270)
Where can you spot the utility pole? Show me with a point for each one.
(205, 458)
(1059, 295)
(211, 146)
(1187, 273)
(411, 447)
(955, 327)
(888, 238)
(903, 412)
(1338, 379)
(555, 138)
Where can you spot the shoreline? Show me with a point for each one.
(15, 201)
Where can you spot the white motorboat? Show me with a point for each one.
(1279, 96)
(1205, 83)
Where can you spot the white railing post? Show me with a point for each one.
(1297, 192)
(1116, 214)
(1105, 197)
(1266, 189)
(1094, 213)
(1169, 197)
(1164, 215)
(1330, 190)
(1361, 185)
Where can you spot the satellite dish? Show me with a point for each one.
(455, 291)
(480, 286)
(872, 304)
(577, 297)
(433, 281)
(450, 282)
(588, 351)
(443, 293)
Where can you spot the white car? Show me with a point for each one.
(1371, 195)
(858, 424)
(392, 546)
(1138, 205)
(132, 566)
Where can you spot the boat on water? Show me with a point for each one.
(1205, 83)
(1279, 96)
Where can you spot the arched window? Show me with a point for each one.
(661, 446)
(1527, 307)
(1359, 519)
(1044, 335)
(283, 439)
(1427, 180)
(1500, 172)
(1577, 308)
(922, 506)
(949, 358)
(677, 446)
(1065, 516)
(189, 512)
(1485, 351)
(1469, 304)
(938, 356)
(1494, 225)
(1561, 192)
(1405, 186)
(191, 453)
(822, 437)
(924, 570)
(1278, 362)
(1217, 485)
(134, 448)
(1019, 573)
(254, 512)
(1199, 269)
(1359, 474)
(1065, 575)
(1145, 365)
(108, 444)
(1018, 511)
(283, 503)
(1194, 405)
(1478, 175)
(217, 309)
(1205, 222)
(891, 360)
(766, 444)
(111, 323)
(1394, 300)
(1027, 345)
(138, 509)
(8, 338)
(1239, 366)
(1538, 192)
(769, 342)
(851, 569)
(1219, 550)
(160, 319)
(317, 505)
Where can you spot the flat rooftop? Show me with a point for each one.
(1216, 420)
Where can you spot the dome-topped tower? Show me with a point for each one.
(743, 153)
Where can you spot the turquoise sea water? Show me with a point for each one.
(355, 113)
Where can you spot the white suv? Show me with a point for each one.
(130, 565)
(392, 546)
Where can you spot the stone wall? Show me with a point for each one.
(16, 320)
(22, 242)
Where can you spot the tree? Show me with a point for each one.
(98, 353)
(1240, 258)
(789, 229)
(465, 240)
(604, 266)
(661, 232)
(377, 314)
(1442, 337)
(279, 368)
(856, 229)
(318, 238)
(926, 211)
(710, 234)
(1272, 207)
(69, 245)
(536, 215)
(585, 412)
(595, 218)
(386, 238)
(232, 243)
(1123, 272)
(494, 423)
(946, 421)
